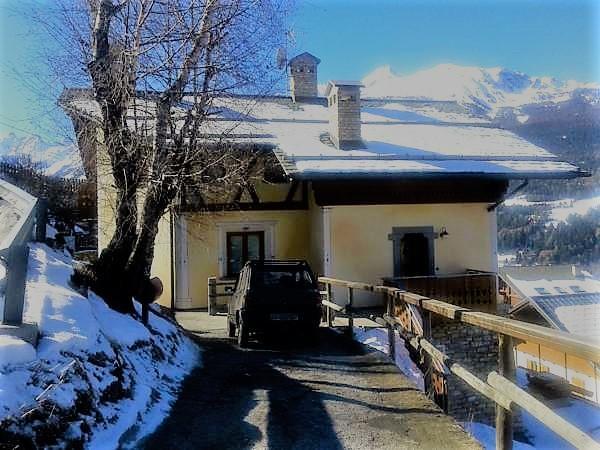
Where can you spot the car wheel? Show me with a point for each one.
(243, 334)
(231, 329)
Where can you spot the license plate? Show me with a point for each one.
(284, 316)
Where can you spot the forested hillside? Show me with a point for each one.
(572, 132)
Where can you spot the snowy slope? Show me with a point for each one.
(98, 379)
(486, 88)
(60, 160)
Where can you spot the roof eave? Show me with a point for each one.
(309, 176)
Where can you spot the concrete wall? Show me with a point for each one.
(361, 250)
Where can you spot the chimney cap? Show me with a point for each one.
(338, 83)
(305, 56)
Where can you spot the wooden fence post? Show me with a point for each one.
(328, 309)
(390, 327)
(349, 311)
(506, 368)
(427, 379)
(212, 296)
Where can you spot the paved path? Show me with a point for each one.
(334, 394)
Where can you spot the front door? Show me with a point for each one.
(242, 247)
(413, 251)
(414, 255)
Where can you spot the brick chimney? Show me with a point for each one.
(303, 76)
(343, 100)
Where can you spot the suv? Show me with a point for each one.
(269, 293)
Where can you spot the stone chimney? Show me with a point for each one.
(303, 76)
(343, 100)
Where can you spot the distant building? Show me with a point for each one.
(561, 297)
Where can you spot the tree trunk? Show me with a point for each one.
(140, 261)
(110, 276)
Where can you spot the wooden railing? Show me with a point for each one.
(473, 289)
(400, 316)
(218, 289)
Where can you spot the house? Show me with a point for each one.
(562, 297)
(361, 188)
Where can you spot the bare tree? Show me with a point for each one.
(155, 69)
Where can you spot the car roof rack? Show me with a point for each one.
(275, 262)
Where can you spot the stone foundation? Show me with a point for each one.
(476, 350)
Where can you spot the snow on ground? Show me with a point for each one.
(377, 338)
(506, 259)
(560, 210)
(579, 412)
(584, 415)
(100, 379)
(581, 207)
(486, 435)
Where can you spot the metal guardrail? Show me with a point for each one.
(14, 252)
(498, 386)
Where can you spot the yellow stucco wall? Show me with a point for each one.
(161, 266)
(290, 238)
(361, 250)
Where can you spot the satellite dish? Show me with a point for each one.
(281, 58)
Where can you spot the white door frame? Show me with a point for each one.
(266, 226)
(182, 287)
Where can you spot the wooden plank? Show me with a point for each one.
(333, 306)
(443, 309)
(349, 311)
(347, 284)
(555, 339)
(504, 418)
(544, 414)
(559, 340)
(328, 310)
(212, 296)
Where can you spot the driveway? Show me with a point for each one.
(334, 394)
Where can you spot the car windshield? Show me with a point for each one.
(281, 277)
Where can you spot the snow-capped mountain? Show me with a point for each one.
(488, 89)
(60, 160)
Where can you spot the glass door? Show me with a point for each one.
(242, 247)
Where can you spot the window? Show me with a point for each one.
(270, 277)
(577, 289)
(242, 247)
(542, 291)
(560, 290)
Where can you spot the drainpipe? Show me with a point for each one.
(172, 243)
(506, 197)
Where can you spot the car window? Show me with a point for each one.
(282, 277)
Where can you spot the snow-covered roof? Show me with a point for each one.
(565, 296)
(401, 138)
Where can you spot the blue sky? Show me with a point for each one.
(352, 37)
(538, 37)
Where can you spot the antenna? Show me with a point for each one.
(281, 58)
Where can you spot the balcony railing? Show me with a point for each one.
(473, 289)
